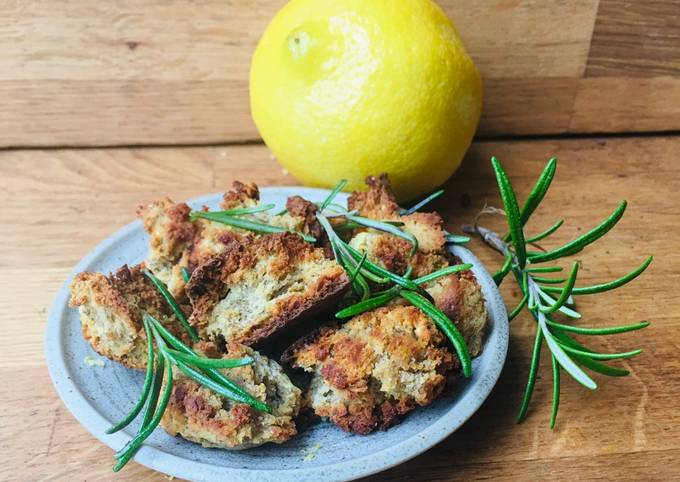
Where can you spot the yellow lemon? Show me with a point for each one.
(347, 88)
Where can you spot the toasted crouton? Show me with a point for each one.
(200, 415)
(260, 286)
(379, 203)
(176, 242)
(458, 295)
(111, 310)
(375, 368)
(171, 234)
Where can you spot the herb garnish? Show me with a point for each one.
(230, 219)
(170, 351)
(361, 269)
(565, 352)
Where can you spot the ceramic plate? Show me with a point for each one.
(98, 396)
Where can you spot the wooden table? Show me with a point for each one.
(107, 105)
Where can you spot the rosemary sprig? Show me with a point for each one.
(146, 388)
(171, 351)
(247, 224)
(566, 353)
(392, 293)
(237, 395)
(359, 267)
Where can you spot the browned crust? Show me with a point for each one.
(457, 295)
(357, 360)
(210, 282)
(201, 416)
(176, 241)
(127, 294)
(308, 342)
(463, 302)
(428, 228)
(299, 207)
(178, 230)
(240, 194)
(378, 202)
(291, 311)
(394, 254)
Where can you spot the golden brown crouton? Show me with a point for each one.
(111, 310)
(200, 415)
(375, 368)
(457, 295)
(177, 242)
(242, 195)
(379, 203)
(376, 203)
(171, 234)
(260, 286)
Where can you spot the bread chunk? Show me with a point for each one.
(458, 295)
(369, 372)
(202, 416)
(260, 286)
(111, 311)
(379, 203)
(176, 242)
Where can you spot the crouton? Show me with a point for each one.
(458, 295)
(111, 311)
(379, 203)
(260, 286)
(176, 242)
(371, 371)
(200, 415)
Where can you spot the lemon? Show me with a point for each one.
(341, 89)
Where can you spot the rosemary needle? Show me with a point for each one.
(613, 330)
(456, 268)
(388, 228)
(185, 274)
(546, 233)
(556, 391)
(209, 362)
(146, 388)
(237, 393)
(160, 286)
(368, 304)
(512, 212)
(445, 325)
(246, 224)
(131, 448)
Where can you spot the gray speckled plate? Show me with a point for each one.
(99, 396)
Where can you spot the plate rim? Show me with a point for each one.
(96, 424)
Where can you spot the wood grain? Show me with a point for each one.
(58, 204)
(152, 72)
(636, 39)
